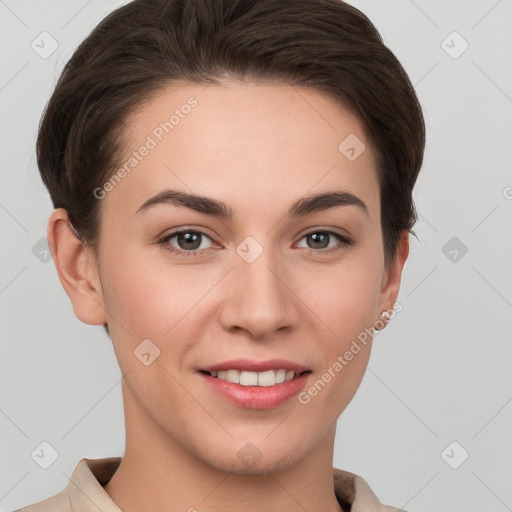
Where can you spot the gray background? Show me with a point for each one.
(438, 374)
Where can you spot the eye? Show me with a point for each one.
(320, 241)
(189, 242)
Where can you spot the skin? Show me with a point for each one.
(258, 148)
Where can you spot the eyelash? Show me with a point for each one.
(164, 242)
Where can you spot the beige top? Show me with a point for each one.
(85, 493)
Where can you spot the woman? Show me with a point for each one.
(232, 184)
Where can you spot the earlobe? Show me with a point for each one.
(77, 269)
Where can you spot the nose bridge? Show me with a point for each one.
(258, 300)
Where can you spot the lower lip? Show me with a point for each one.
(257, 397)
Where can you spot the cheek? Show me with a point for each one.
(150, 298)
(345, 307)
(345, 298)
(156, 298)
(346, 304)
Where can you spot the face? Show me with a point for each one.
(187, 288)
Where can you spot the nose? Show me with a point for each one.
(259, 297)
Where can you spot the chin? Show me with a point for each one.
(248, 458)
(260, 467)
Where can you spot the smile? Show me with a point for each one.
(248, 378)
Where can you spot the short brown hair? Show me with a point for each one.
(146, 45)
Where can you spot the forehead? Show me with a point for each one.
(244, 143)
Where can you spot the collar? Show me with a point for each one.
(86, 493)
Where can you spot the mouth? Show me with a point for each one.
(256, 384)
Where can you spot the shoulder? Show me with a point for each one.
(84, 491)
(353, 490)
(57, 503)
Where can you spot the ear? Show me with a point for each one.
(393, 275)
(77, 269)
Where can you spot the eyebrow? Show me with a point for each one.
(304, 206)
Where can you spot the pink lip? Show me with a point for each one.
(256, 366)
(256, 397)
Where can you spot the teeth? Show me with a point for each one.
(289, 375)
(247, 378)
(267, 378)
(233, 376)
(280, 376)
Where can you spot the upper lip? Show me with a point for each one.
(256, 366)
